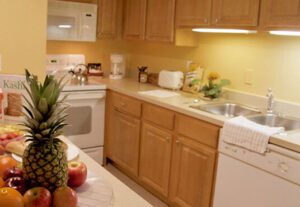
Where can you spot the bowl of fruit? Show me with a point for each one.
(9, 133)
(15, 191)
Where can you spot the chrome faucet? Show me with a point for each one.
(270, 105)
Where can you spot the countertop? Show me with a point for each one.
(123, 196)
(182, 103)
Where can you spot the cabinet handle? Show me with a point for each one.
(177, 142)
(122, 104)
(216, 20)
(205, 20)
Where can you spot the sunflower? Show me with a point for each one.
(213, 76)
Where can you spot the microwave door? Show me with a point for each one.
(88, 29)
(62, 27)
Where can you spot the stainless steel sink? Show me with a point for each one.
(227, 109)
(274, 120)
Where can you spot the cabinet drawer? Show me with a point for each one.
(159, 116)
(126, 104)
(198, 130)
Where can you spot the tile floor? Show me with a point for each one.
(135, 187)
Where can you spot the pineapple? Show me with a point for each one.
(44, 159)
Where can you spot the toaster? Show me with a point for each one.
(170, 79)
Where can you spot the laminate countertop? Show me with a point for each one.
(181, 104)
(104, 189)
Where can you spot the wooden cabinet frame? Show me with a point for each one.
(217, 13)
(162, 176)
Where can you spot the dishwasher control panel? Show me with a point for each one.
(276, 163)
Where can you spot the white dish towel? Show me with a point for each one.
(248, 134)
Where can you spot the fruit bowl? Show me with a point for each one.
(9, 133)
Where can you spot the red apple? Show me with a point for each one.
(37, 197)
(77, 173)
(64, 197)
(2, 150)
(12, 172)
(17, 183)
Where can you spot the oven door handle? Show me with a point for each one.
(86, 96)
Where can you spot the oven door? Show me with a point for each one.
(86, 118)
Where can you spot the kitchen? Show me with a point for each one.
(252, 62)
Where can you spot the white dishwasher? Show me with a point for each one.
(248, 179)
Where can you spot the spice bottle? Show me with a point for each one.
(143, 74)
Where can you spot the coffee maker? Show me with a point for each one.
(117, 66)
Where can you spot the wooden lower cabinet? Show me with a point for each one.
(191, 174)
(175, 163)
(155, 158)
(124, 143)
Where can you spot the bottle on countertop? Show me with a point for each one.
(143, 74)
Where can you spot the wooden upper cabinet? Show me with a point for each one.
(124, 143)
(160, 20)
(155, 159)
(109, 18)
(280, 14)
(193, 13)
(134, 19)
(235, 13)
(83, 1)
(191, 174)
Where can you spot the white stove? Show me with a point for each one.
(86, 87)
(86, 118)
(87, 106)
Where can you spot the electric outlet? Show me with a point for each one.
(248, 77)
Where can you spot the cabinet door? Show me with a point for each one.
(192, 173)
(83, 1)
(193, 13)
(235, 13)
(125, 142)
(109, 18)
(160, 20)
(134, 19)
(155, 159)
(280, 14)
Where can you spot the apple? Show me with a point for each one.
(2, 150)
(17, 183)
(77, 173)
(12, 135)
(37, 197)
(12, 172)
(3, 137)
(64, 197)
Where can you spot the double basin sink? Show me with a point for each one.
(230, 109)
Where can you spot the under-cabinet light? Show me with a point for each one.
(235, 31)
(285, 33)
(65, 26)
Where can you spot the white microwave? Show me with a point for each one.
(71, 21)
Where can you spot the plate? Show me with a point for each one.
(73, 152)
(95, 192)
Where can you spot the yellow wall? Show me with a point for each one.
(275, 61)
(23, 36)
(94, 51)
